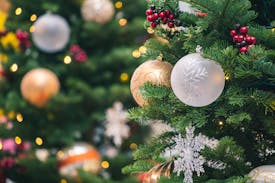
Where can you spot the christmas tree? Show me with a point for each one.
(63, 64)
(210, 77)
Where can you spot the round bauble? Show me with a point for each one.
(160, 170)
(99, 11)
(263, 174)
(153, 71)
(51, 33)
(197, 81)
(79, 156)
(39, 85)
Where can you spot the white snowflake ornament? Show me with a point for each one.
(116, 124)
(187, 153)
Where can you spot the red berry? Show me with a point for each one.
(153, 24)
(149, 12)
(171, 24)
(253, 40)
(150, 18)
(248, 39)
(164, 20)
(240, 38)
(162, 14)
(155, 15)
(243, 50)
(243, 30)
(171, 17)
(167, 13)
(201, 14)
(235, 38)
(233, 33)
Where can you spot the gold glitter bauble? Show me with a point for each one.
(263, 174)
(38, 86)
(99, 11)
(79, 156)
(153, 71)
(160, 170)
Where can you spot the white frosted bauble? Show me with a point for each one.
(99, 11)
(263, 174)
(197, 81)
(51, 33)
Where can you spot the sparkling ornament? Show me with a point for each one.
(79, 156)
(153, 71)
(51, 33)
(38, 86)
(197, 81)
(99, 11)
(263, 174)
(163, 169)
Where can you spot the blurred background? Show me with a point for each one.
(64, 89)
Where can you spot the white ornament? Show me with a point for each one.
(197, 81)
(99, 11)
(116, 124)
(187, 152)
(42, 154)
(263, 174)
(51, 33)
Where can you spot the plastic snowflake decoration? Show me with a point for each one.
(116, 123)
(187, 152)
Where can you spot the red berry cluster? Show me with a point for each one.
(241, 38)
(78, 53)
(23, 38)
(161, 16)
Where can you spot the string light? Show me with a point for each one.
(18, 140)
(60, 154)
(19, 117)
(105, 164)
(273, 29)
(11, 115)
(136, 53)
(32, 29)
(18, 11)
(124, 77)
(67, 59)
(13, 67)
(227, 77)
(118, 4)
(1, 146)
(2, 112)
(33, 17)
(123, 22)
(63, 181)
(220, 123)
(133, 146)
(142, 49)
(39, 141)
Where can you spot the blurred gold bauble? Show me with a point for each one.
(79, 156)
(158, 171)
(153, 71)
(5, 6)
(99, 11)
(262, 174)
(38, 86)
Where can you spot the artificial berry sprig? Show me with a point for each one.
(242, 39)
(157, 16)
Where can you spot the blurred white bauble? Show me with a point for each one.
(263, 174)
(42, 154)
(197, 81)
(51, 33)
(99, 11)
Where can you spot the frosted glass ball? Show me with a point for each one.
(99, 11)
(197, 81)
(262, 174)
(51, 33)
